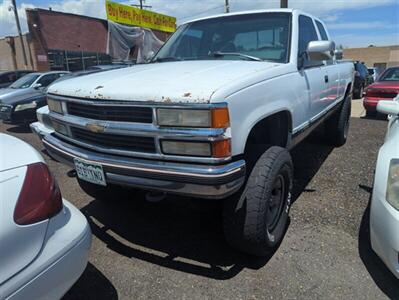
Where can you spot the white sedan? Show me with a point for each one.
(44, 240)
(384, 214)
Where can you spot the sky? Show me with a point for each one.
(351, 23)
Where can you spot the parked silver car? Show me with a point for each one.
(384, 214)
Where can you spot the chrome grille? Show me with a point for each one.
(120, 113)
(115, 141)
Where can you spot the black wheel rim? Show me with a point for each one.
(276, 203)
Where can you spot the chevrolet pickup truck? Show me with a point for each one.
(214, 115)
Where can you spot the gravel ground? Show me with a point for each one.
(175, 249)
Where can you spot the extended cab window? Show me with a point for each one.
(307, 33)
(322, 31)
(264, 36)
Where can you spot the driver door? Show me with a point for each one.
(314, 72)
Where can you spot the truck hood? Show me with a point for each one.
(13, 96)
(182, 81)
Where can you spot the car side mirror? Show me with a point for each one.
(36, 86)
(339, 54)
(150, 56)
(388, 107)
(320, 50)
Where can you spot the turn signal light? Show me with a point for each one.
(221, 148)
(220, 118)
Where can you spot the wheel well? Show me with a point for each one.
(274, 130)
(348, 89)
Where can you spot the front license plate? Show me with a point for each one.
(90, 172)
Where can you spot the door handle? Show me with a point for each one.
(326, 78)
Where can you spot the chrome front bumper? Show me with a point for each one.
(40, 130)
(195, 180)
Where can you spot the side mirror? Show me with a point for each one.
(339, 54)
(150, 56)
(36, 86)
(321, 50)
(388, 107)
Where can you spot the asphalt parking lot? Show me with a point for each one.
(175, 249)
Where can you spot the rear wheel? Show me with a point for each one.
(371, 114)
(255, 218)
(337, 127)
(105, 193)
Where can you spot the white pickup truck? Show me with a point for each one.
(213, 115)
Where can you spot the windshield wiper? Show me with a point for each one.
(169, 58)
(219, 54)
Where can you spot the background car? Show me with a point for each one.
(362, 80)
(8, 77)
(374, 72)
(45, 240)
(18, 102)
(384, 213)
(386, 88)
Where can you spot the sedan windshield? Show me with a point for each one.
(24, 82)
(391, 74)
(262, 36)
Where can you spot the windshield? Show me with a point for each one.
(390, 75)
(24, 82)
(264, 35)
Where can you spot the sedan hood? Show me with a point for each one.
(391, 85)
(14, 96)
(182, 81)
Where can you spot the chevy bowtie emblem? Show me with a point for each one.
(96, 128)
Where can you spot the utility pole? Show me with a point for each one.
(20, 33)
(227, 6)
(284, 3)
(141, 5)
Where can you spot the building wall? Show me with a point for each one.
(51, 30)
(374, 56)
(61, 31)
(11, 55)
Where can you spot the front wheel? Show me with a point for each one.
(255, 219)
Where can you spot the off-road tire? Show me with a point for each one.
(246, 219)
(337, 126)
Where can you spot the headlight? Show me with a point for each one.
(216, 149)
(29, 105)
(54, 106)
(393, 184)
(201, 118)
